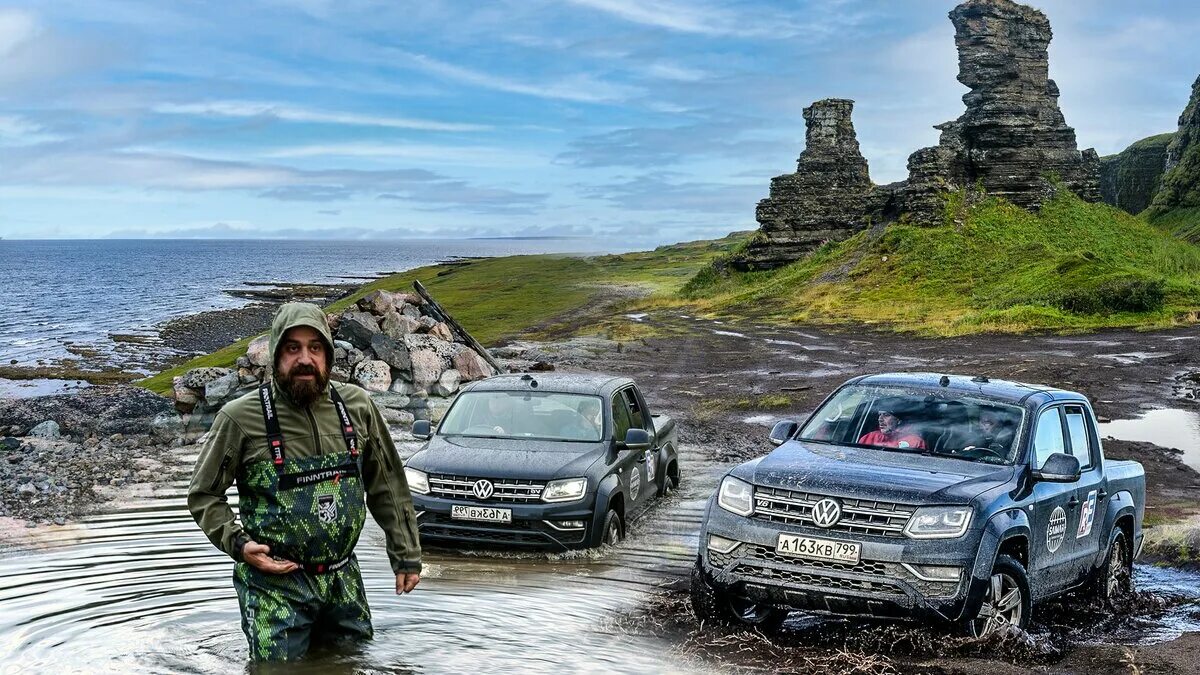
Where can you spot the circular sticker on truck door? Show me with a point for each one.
(1056, 529)
(635, 483)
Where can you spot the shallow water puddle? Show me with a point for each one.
(1168, 427)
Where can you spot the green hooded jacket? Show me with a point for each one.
(239, 436)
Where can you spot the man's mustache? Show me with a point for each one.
(304, 370)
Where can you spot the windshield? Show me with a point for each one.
(937, 422)
(525, 414)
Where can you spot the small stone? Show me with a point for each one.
(397, 325)
(48, 430)
(402, 387)
(59, 520)
(216, 391)
(26, 489)
(447, 384)
(411, 312)
(442, 331)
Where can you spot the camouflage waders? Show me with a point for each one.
(310, 511)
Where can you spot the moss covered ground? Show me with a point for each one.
(990, 267)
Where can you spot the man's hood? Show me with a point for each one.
(294, 314)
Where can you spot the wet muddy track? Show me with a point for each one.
(138, 588)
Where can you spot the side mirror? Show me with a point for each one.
(422, 430)
(1059, 468)
(782, 431)
(637, 439)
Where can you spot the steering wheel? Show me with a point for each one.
(483, 430)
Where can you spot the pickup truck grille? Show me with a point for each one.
(861, 516)
(505, 490)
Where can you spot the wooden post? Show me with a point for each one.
(442, 315)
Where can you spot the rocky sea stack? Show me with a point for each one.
(1012, 142)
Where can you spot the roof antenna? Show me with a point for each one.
(529, 378)
(945, 381)
(982, 379)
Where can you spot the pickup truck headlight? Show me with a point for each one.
(418, 481)
(939, 522)
(565, 490)
(736, 496)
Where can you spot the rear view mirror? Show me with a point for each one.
(1059, 468)
(637, 439)
(782, 431)
(422, 430)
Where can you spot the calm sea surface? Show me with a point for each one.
(57, 293)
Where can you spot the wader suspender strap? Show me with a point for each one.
(274, 434)
(348, 434)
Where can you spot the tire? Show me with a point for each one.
(1006, 600)
(614, 530)
(669, 484)
(1114, 578)
(715, 607)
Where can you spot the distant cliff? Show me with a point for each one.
(1129, 179)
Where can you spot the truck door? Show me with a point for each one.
(1055, 509)
(632, 463)
(1091, 494)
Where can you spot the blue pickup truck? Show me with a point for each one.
(923, 496)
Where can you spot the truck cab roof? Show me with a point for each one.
(1008, 391)
(565, 383)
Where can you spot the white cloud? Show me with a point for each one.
(474, 155)
(580, 87)
(294, 114)
(682, 17)
(17, 28)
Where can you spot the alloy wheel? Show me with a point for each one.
(1002, 606)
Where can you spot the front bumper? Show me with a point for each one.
(884, 583)
(533, 525)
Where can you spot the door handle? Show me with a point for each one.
(1103, 494)
(1073, 501)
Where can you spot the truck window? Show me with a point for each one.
(1049, 438)
(635, 410)
(621, 419)
(1077, 429)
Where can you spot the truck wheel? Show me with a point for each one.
(1114, 579)
(669, 483)
(713, 606)
(614, 529)
(1006, 601)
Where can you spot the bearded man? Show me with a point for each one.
(309, 458)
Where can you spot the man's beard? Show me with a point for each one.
(303, 392)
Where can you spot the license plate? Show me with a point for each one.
(481, 513)
(818, 549)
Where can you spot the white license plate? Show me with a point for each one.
(818, 549)
(485, 514)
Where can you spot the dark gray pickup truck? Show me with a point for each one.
(558, 461)
(923, 496)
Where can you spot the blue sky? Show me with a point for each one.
(636, 121)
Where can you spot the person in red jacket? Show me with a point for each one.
(892, 434)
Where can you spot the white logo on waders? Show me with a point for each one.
(326, 508)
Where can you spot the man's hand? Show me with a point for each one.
(259, 556)
(405, 582)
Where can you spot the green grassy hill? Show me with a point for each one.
(991, 267)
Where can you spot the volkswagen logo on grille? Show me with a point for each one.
(482, 489)
(826, 513)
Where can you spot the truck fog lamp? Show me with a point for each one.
(938, 522)
(418, 481)
(736, 496)
(566, 524)
(565, 490)
(720, 544)
(941, 573)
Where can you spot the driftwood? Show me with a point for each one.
(441, 314)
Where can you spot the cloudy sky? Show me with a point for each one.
(643, 121)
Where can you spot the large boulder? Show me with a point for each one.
(402, 387)
(166, 426)
(391, 352)
(373, 375)
(427, 367)
(48, 430)
(378, 302)
(220, 389)
(441, 330)
(396, 325)
(447, 383)
(357, 328)
(259, 351)
(411, 311)
(186, 398)
(445, 350)
(198, 378)
(470, 365)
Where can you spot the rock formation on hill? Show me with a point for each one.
(1129, 179)
(827, 198)
(1180, 187)
(1012, 141)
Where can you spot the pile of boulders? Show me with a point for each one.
(391, 344)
